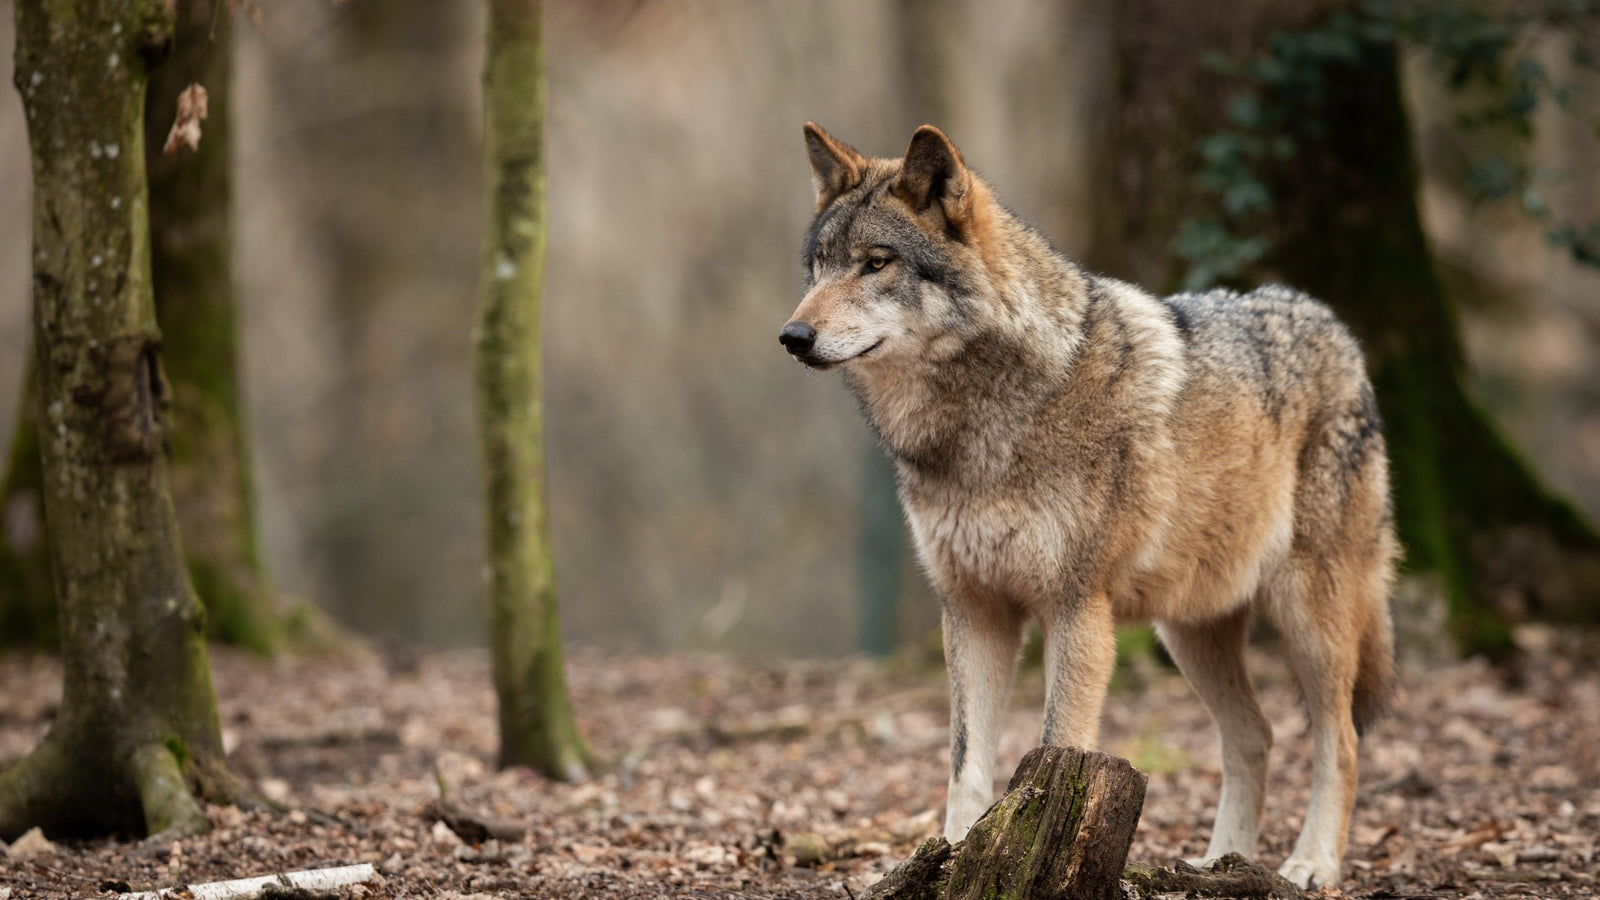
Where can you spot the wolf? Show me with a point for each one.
(1074, 450)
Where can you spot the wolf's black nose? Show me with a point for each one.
(797, 337)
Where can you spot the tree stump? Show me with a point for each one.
(1062, 830)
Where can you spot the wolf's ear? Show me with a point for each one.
(933, 172)
(835, 166)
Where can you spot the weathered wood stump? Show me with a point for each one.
(1062, 830)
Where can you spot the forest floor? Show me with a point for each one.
(732, 777)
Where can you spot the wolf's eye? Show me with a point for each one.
(876, 264)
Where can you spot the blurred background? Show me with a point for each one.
(705, 491)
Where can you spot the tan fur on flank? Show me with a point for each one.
(1074, 450)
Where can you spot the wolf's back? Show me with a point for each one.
(1276, 340)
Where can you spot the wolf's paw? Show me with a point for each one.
(1308, 873)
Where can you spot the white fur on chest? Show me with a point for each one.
(1003, 548)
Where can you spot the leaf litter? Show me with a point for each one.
(733, 777)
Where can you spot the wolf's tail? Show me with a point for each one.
(1375, 670)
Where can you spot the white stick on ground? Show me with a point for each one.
(245, 888)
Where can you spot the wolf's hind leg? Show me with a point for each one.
(980, 650)
(1211, 657)
(1323, 651)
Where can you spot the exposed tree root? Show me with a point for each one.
(25, 787)
(1231, 876)
(146, 790)
(169, 806)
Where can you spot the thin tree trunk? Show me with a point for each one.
(136, 740)
(880, 557)
(1344, 226)
(27, 601)
(536, 723)
(191, 194)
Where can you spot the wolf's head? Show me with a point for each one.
(894, 260)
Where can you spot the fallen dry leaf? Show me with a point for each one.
(186, 127)
(32, 845)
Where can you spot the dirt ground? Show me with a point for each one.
(730, 777)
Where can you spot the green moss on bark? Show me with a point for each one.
(135, 675)
(536, 722)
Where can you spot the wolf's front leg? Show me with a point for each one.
(1080, 652)
(980, 650)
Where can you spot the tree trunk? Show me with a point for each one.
(1468, 507)
(927, 30)
(27, 601)
(536, 723)
(1344, 226)
(191, 196)
(136, 740)
(1062, 830)
(385, 535)
(880, 557)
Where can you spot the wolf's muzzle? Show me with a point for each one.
(798, 338)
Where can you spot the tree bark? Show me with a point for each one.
(27, 600)
(536, 722)
(1344, 226)
(190, 200)
(136, 741)
(191, 196)
(1062, 830)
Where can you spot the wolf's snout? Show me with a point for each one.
(797, 338)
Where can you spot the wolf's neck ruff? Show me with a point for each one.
(935, 432)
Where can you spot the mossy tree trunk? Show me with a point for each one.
(190, 235)
(135, 743)
(191, 195)
(27, 600)
(1344, 226)
(536, 722)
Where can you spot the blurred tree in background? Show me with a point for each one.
(928, 39)
(191, 247)
(27, 597)
(536, 724)
(136, 739)
(1270, 139)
